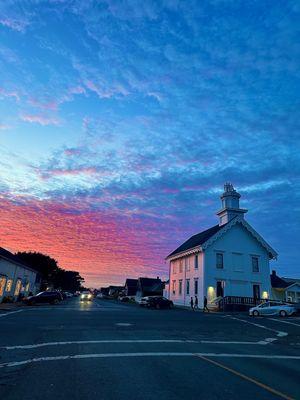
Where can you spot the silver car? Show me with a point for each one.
(272, 308)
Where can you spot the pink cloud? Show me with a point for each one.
(106, 247)
(8, 93)
(40, 119)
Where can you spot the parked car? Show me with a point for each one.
(43, 297)
(272, 308)
(159, 302)
(86, 296)
(144, 301)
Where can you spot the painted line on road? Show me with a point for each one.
(12, 312)
(247, 378)
(146, 354)
(46, 344)
(278, 333)
(284, 322)
(34, 346)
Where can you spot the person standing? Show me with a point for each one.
(196, 303)
(205, 308)
(192, 304)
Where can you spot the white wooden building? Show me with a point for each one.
(15, 276)
(229, 259)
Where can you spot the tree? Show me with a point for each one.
(50, 273)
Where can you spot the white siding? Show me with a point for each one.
(237, 246)
(188, 272)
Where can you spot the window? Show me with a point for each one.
(8, 285)
(18, 287)
(196, 286)
(196, 261)
(174, 267)
(187, 263)
(187, 286)
(180, 287)
(219, 261)
(174, 287)
(255, 266)
(2, 284)
(180, 265)
(27, 287)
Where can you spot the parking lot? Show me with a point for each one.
(112, 350)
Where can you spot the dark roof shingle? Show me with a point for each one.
(197, 240)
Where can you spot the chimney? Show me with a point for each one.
(273, 272)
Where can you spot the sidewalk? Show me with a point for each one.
(11, 306)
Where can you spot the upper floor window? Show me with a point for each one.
(180, 265)
(174, 267)
(219, 260)
(196, 261)
(187, 263)
(255, 265)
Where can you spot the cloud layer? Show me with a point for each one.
(123, 121)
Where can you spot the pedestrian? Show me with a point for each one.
(192, 304)
(205, 308)
(196, 303)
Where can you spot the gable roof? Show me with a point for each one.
(196, 240)
(204, 239)
(15, 259)
(150, 284)
(278, 283)
(131, 282)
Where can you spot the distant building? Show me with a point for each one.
(149, 287)
(16, 277)
(228, 259)
(285, 289)
(131, 287)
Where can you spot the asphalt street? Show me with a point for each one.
(108, 350)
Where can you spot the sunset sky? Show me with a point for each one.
(120, 121)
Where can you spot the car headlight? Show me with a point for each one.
(89, 296)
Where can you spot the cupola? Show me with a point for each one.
(230, 205)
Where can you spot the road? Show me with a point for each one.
(108, 350)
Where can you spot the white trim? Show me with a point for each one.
(193, 250)
(238, 220)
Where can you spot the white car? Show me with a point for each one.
(272, 308)
(86, 296)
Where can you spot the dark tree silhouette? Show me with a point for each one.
(51, 273)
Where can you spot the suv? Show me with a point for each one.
(43, 297)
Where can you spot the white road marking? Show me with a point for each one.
(278, 333)
(46, 344)
(284, 322)
(12, 312)
(123, 324)
(159, 354)
(33, 346)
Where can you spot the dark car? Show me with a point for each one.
(43, 297)
(159, 302)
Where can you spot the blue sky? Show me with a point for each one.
(138, 112)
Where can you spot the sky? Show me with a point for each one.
(120, 121)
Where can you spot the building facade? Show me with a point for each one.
(16, 278)
(229, 259)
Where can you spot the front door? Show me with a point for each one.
(220, 289)
(256, 292)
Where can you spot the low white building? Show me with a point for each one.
(229, 259)
(15, 276)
